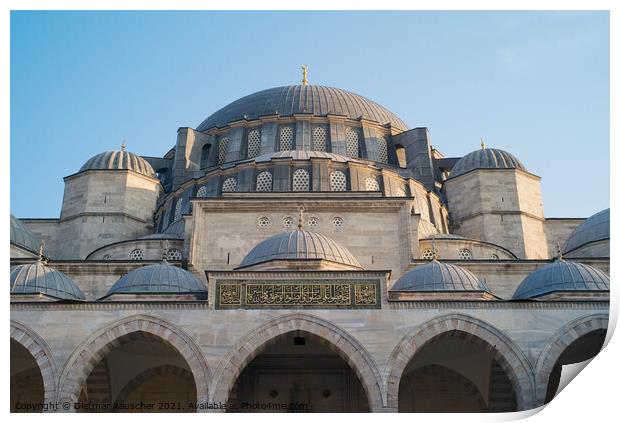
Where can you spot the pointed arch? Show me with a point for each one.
(565, 336)
(508, 355)
(41, 353)
(86, 356)
(251, 345)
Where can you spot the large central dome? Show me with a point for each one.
(313, 99)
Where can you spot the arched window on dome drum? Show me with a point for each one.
(382, 149)
(352, 142)
(253, 143)
(178, 209)
(337, 181)
(136, 255)
(204, 156)
(301, 180)
(229, 185)
(223, 150)
(264, 181)
(319, 138)
(286, 138)
(372, 184)
(202, 191)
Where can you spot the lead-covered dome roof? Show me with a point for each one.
(299, 245)
(310, 99)
(119, 160)
(562, 276)
(22, 236)
(39, 278)
(486, 158)
(595, 228)
(160, 278)
(437, 276)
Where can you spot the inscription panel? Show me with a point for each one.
(289, 294)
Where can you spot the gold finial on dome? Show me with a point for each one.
(300, 220)
(123, 146)
(304, 70)
(482, 144)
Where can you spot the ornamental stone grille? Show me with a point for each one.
(313, 222)
(319, 139)
(337, 181)
(263, 222)
(288, 222)
(286, 138)
(400, 193)
(136, 255)
(229, 185)
(494, 257)
(338, 222)
(253, 143)
(352, 142)
(301, 180)
(174, 254)
(264, 181)
(178, 208)
(428, 255)
(223, 150)
(465, 254)
(107, 257)
(202, 191)
(372, 184)
(382, 151)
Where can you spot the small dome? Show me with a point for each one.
(119, 160)
(437, 277)
(562, 276)
(22, 236)
(486, 158)
(161, 278)
(595, 228)
(299, 245)
(38, 278)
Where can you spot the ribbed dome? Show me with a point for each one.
(562, 276)
(119, 160)
(437, 277)
(161, 278)
(486, 158)
(311, 99)
(38, 278)
(595, 228)
(299, 245)
(22, 236)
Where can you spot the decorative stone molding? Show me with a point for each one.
(42, 354)
(86, 356)
(507, 353)
(565, 336)
(251, 345)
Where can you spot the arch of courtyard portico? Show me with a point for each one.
(252, 344)
(508, 355)
(41, 353)
(559, 342)
(88, 354)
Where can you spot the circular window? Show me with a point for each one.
(465, 254)
(494, 257)
(202, 191)
(107, 257)
(288, 222)
(313, 222)
(428, 255)
(174, 254)
(338, 222)
(263, 222)
(136, 255)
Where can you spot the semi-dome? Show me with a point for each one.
(299, 245)
(595, 228)
(437, 276)
(119, 160)
(307, 99)
(160, 278)
(486, 158)
(562, 276)
(22, 236)
(38, 278)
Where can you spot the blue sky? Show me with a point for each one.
(533, 83)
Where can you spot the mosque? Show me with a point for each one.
(303, 250)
